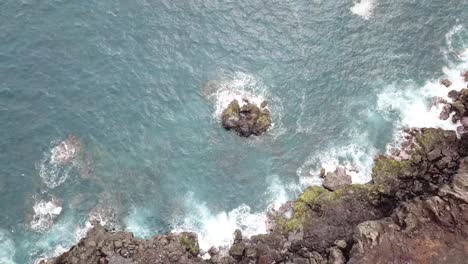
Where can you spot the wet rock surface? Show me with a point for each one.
(414, 211)
(248, 119)
(337, 179)
(101, 246)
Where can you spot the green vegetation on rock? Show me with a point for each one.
(318, 197)
(190, 244)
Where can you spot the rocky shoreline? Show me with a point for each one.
(415, 210)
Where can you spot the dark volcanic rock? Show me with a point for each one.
(446, 82)
(101, 246)
(420, 172)
(246, 120)
(423, 230)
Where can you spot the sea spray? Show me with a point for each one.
(409, 105)
(217, 228)
(7, 248)
(363, 8)
(356, 158)
(45, 214)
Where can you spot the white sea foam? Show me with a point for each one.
(363, 8)
(7, 248)
(66, 232)
(45, 213)
(356, 158)
(239, 86)
(217, 228)
(53, 174)
(456, 40)
(57, 163)
(135, 222)
(411, 104)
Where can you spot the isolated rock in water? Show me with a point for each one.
(446, 82)
(246, 120)
(336, 180)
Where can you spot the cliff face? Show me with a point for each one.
(414, 211)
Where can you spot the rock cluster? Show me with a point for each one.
(101, 246)
(248, 119)
(427, 159)
(458, 106)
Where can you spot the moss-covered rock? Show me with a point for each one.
(317, 198)
(246, 120)
(190, 242)
(325, 216)
(231, 115)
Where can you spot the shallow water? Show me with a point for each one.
(141, 85)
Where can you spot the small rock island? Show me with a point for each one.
(248, 119)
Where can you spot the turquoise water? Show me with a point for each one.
(140, 83)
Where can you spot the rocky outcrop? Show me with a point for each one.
(103, 247)
(423, 230)
(248, 119)
(427, 160)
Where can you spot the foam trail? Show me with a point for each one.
(7, 248)
(45, 213)
(216, 229)
(363, 8)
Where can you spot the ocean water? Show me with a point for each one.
(141, 85)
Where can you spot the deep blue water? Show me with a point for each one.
(139, 82)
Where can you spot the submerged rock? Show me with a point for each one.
(66, 151)
(247, 119)
(446, 82)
